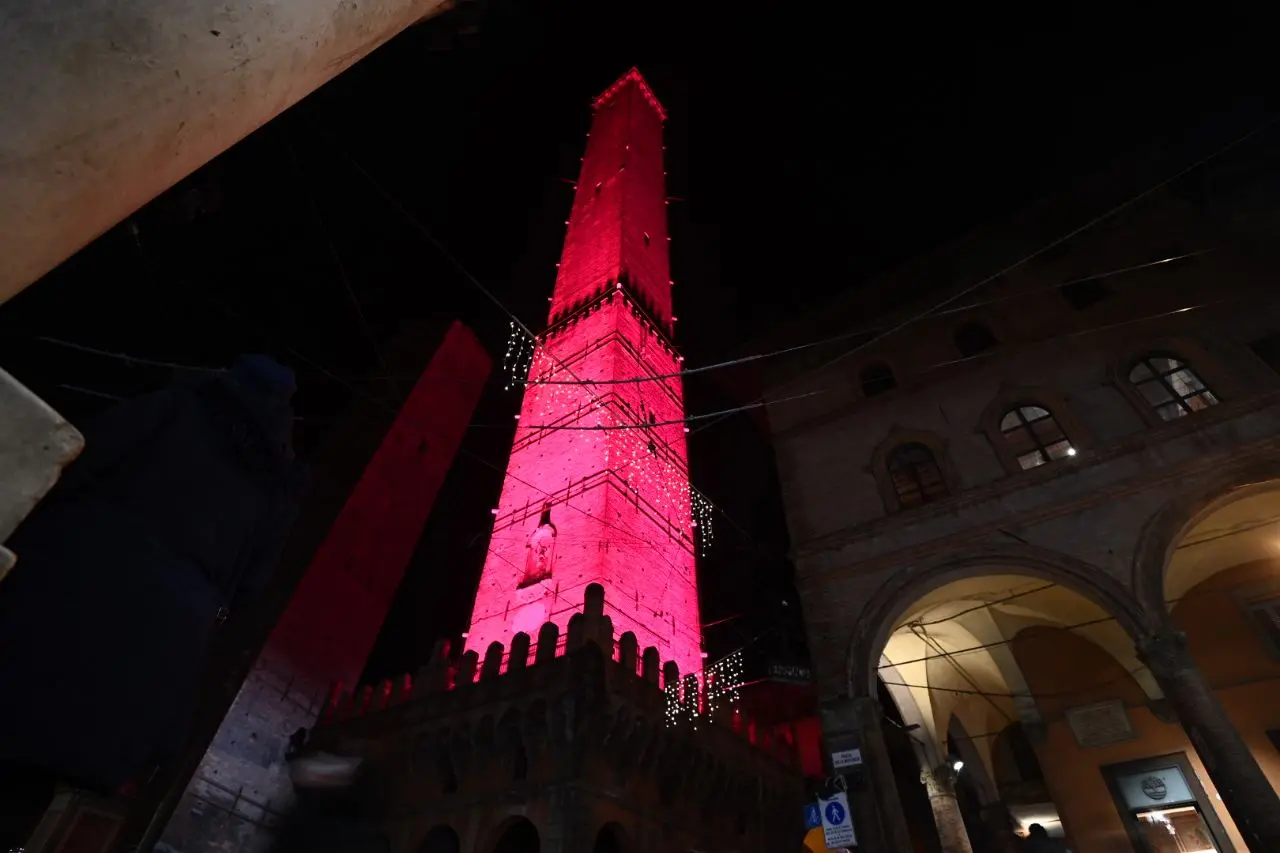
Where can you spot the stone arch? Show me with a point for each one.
(611, 838)
(903, 588)
(441, 838)
(1163, 531)
(515, 834)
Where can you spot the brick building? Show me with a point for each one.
(1044, 512)
(576, 740)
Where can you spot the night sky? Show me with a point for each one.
(806, 153)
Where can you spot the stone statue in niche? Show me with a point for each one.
(540, 552)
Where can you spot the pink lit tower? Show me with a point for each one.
(597, 487)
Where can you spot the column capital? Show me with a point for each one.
(1165, 653)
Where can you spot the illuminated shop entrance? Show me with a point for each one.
(1164, 807)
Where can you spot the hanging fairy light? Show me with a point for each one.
(518, 356)
(718, 687)
(604, 420)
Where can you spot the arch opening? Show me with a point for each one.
(519, 835)
(441, 839)
(609, 839)
(972, 664)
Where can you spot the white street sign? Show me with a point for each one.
(837, 825)
(846, 758)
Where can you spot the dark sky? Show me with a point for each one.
(807, 151)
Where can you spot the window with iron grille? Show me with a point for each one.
(916, 476)
(1034, 436)
(1170, 386)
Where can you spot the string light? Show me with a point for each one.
(634, 452)
(518, 356)
(718, 687)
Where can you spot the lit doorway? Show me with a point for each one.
(1164, 807)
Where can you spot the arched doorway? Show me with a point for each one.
(518, 836)
(609, 840)
(956, 660)
(441, 839)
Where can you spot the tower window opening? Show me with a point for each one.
(646, 239)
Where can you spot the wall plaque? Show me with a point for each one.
(1100, 724)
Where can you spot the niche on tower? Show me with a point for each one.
(540, 551)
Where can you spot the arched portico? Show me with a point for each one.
(1171, 526)
(1228, 524)
(903, 589)
(940, 635)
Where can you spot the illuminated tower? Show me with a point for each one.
(597, 487)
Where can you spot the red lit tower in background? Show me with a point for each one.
(597, 487)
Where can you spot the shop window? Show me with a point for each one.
(1164, 807)
(916, 476)
(1170, 386)
(1034, 436)
(974, 338)
(877, 379)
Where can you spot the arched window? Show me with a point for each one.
(973, 338)
(1170, 386)
(917, 479)
(1034, 436)
(876, 379)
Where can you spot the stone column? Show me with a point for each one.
(867, 717)
(1245, 790)
(940, 782)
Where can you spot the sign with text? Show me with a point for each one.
(837, 825)
(846, 758)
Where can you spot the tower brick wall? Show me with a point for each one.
(241, 790)
(597, 487)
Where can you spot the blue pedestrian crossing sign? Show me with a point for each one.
(837, 826)
(812, 816)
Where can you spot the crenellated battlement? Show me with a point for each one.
(689, 700)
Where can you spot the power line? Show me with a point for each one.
(991, 353)
(1025, 259)
(337, 261)
(868, 330)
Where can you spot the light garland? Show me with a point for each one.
(634, 452)
(718, 687)
(518, 357)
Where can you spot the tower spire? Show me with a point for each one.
(608, 458)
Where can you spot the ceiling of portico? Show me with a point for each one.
(951, 654)
(1243, 531)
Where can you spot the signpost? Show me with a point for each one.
(812, 816)
(837, 826)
